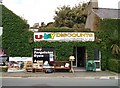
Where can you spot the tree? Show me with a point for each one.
(68, 17)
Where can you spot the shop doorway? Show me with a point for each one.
(80, 57)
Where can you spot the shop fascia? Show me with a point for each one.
(64, 36)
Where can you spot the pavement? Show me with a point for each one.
(78, 74)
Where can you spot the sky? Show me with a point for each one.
(37, 11)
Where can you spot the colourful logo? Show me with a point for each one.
(46, 36)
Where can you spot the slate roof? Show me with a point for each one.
(107, 13)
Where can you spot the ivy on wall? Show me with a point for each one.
(65, 49)
(114, 65)
(15, 34)
(109, 35)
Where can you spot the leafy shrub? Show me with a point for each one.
(113, 65)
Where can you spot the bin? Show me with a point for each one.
(91, 65)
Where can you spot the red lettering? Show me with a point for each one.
(38, 36)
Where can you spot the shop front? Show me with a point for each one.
(81, 57)
(65, 44)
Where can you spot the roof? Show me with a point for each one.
(107, 13)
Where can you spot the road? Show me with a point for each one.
(58, 82)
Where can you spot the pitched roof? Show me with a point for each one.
(107, 13)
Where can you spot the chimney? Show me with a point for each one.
(94, 3)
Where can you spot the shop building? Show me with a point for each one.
(60, 45)
(83, 46)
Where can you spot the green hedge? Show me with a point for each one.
(56, 29)
(114, 65)
(62, 29)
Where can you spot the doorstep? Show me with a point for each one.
(79, 69)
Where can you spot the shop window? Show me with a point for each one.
(97, 64)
